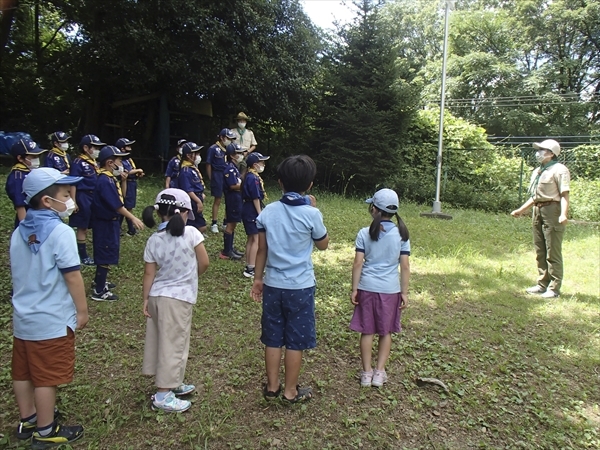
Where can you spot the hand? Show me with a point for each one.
(516, 213)
(146, 313)
(353, 297)
(124, 175)
(403, 301)
(137, 223)
(257, 290)
(562, 219)
(141, 174)
(76, 208)
(82, 319)
(313, 201)
(203, 196)
(200, 207)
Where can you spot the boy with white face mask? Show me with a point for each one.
(232, 183)
(190, 181)
(27, 157)
(173, 167)
(215, 166)
(57, 157)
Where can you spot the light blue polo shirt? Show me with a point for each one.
(42, 305)
(290, 232)
(380, 269)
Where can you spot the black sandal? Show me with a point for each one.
(270, 395)
(304, 394)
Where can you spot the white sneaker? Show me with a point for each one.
(366, 378)
(550, 294)
(171, 404)
(214, 228)
(537, 289)
(379, 377)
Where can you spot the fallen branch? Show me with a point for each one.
(427, 381)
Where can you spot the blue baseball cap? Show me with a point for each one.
(91, 139)
(190, 147)
(26, 147)
(385, 200)
(234, 148)
(59, 136)
(108, 151)
(44, 177)
(255, 157)
(123, 142)
(227, 133)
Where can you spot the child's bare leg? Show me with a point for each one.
(251, 249)
(45, 400)
(293, 362)
(366, 347)
(272, 363)
(81, 234)
(385, 346)
(215, 208)
(25, 398)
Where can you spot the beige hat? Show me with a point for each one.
(242, 116)
(548, 144)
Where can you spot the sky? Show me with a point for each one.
(324, 12)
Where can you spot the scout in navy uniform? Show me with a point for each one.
(129, 184)
(27, 157)
(107, 206)
(232, 185)
(253, 196)
(190, 181)
(173, 167)
(57, 157)
(84, 166)
(215, 166)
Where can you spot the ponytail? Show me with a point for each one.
(375, 227)
(176, 225)
(148, 216)
(402, 228)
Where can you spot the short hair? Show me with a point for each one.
(50, 191)
(296, 173)
(112, 158)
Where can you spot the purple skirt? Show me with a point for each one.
(376, 313)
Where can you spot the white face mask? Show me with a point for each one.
(95, 153)
(34, 163)
(70, 204)
(242, 125)
(118, 171)
(238, 158)
(540, 156)
(260, 169)
(179, 151)
(64, 146)
(198, 160)
(226, 142)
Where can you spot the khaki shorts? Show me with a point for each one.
(45, 363)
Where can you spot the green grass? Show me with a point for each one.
(523, 373)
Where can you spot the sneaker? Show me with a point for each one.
(379, 377)
(107, 285)
(366, 378)
(230, 255)
(104, 296)
(88, 261)
(237, 252)
(536, 289)
(131, 233)
(171, 404)
(25, 429)
(184, 389)
(248, 273)
(224, 227)
(214, 228)
(60, 435)
(550, 294)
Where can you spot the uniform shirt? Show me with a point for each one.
(58, 159)
(244, 137)
(42, 305)
(252, 187)
(177, 274)
(107, 196)
(380, 268)
(290, 232)
(190, 179)
(172, 171)
(85, 167)
(14, 184)
(553, 181)
(231, 177)
(216, 157)
(128, 166)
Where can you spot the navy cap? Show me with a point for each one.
(25, 147)
(108, 151)
(190, 147)
(123, 142)
(234, 148)
(255, 157)
(180, 142)
(227, 133)
(59, 136)
(44, 177)
(91, 139)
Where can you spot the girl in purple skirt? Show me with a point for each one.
(378, 295)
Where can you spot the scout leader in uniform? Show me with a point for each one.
(107, 207)
(57, 158)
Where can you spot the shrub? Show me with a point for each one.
(585, 200)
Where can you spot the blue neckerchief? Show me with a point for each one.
(295, 199)
(163, 226)
(37, 226)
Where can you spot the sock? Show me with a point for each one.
(30, 419)
(214, 222)
(250, 266)
(45, 431)
(130, 226)
(81, 250)
(100, 278)
(121, 219)
(227, 242)
(160, 396)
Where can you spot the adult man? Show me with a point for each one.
(244, 137)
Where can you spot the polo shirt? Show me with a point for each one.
(85, 167)
(216, 157)
(107, 196)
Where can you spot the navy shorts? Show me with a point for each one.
(199, 221)
(249, 218)
(288, 318)
(82, 218)
(106, 240)
(233, 207)
(216, 184)
(130, 195)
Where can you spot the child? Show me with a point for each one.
(84, 166)
(215, 166)
(233, 201)
(253, 195)
(170, 289)
(58, 158)
(132, 173)
(287, 230)
(173, 167)
(107, 206)
(190, 181)
(377, 295)
(47, 307)
(27, 157)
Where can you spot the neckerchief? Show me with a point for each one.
(60, 152)
(221, 146)
(21, 167)
(293, 199)
(91, 161)
(534, 184)
(241, 132)
(262, 186)
(110, 175)
(187, 163)
(37, 226)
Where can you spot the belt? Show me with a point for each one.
(540, 204)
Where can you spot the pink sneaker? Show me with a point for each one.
(365, 378)
(379, 377)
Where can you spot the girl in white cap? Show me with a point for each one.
(377, 294)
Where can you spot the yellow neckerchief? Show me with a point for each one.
(91, 161)
(133, 166)
(187, 163)
(110, 175)
(21, 167)
(221, 145)
(63, 154)
(262, 186)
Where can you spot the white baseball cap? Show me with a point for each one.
(182, 200)
(385, 200)
(548, 144)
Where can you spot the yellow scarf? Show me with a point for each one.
(109, 174)
(60, 152)
(21, 167)
(186, 163)
(262, 186)
(91, 161)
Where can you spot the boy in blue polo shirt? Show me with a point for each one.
(47, 307)
(190, 181)
(57, 157)
(107, 207)
(287, 230)
(215, 166)
(129, 185)
(27, 157)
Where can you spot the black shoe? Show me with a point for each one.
(60, 435)
(108, 285)
(25, 429)
(131, 233)
(104, 296)
(237, 252)
(230, 255)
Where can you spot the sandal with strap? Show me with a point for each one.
(304, 394)
(270, 395)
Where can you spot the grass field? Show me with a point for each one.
(522, 372)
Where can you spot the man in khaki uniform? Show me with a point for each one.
(245, 138)
(549, 196)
